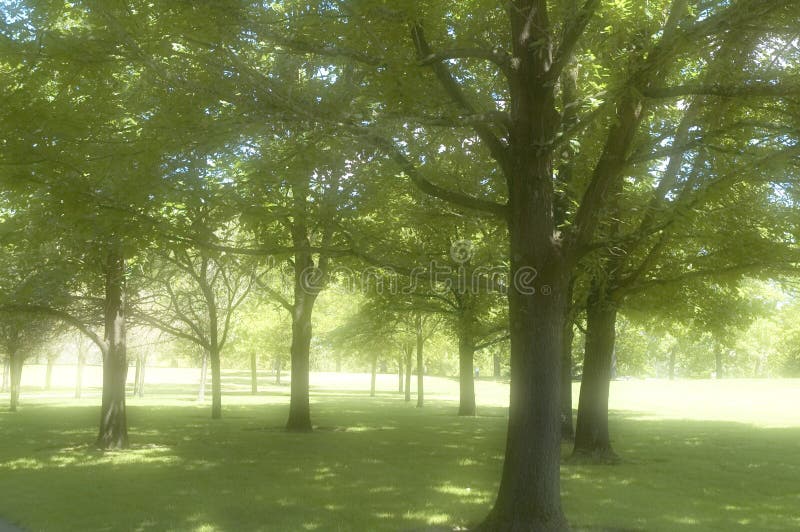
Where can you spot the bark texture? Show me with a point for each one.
(113, 433)
(592, 440)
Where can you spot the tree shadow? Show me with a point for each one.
(375, 464)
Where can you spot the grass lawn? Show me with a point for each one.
(698, 455)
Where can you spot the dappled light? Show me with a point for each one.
(406, 468)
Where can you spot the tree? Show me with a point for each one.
(523, 131)
(19, 337)
(199, 293)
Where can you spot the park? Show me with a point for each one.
(355, 265)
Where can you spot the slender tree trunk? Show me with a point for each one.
(113, 433)
(567, 428)
(48, 376)
(374, 375)
(400, 381)
(409, 351)
(216, 383)
(140, 376)
(201, 394)
(6, 374)
(79, 374)
(137, 375)
(720, 370)
(277, 370)
(673, 355)
(253, 374)
(466, 372)
(338, 365)
(16, 364)
(592, 439)
(496, 368)
(420, 362)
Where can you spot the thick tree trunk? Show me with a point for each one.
(373, 376)
(253, 374)
(592, 439)
(48, 376)
(113, 433)
(529, 496)
(15, 366)
(567, 428)
(420, 362)
(299, 404)
(409, 351)
(201, 393)
(216, 383)
(400, 381)
(466, 373)
(79, 374)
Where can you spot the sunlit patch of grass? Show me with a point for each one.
(695, 457)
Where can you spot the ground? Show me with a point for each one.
(697, 455)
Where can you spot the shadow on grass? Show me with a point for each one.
(375, 464)
(689, 475)
(378, 469)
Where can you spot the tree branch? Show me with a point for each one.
(754, 90)
(498, 150)
(431, 189)
(572, 34)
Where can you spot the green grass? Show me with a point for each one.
(699, 455)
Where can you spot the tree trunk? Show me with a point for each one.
(277, 370)
(253, 374)
(216, 383)
(15, 365)
(673, 355)
(496, 367)
(338, 365)
(201, 394)
(567, 428)
(79, 373)
(420, 362)
(140, 377)
(136, 374)
(374, 375)
(400, 381)
(720, 370)
(6, 375)
(299, 404)
(409, 351)
(48, 376)
(466, 372)
(592, 439)
(529, 496)
(113, 433)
